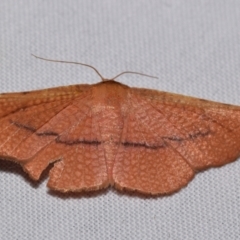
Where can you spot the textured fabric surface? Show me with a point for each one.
(194, 49)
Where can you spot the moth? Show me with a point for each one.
(107, 134)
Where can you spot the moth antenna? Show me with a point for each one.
(98, 73)
(138, 73)
(83, 64)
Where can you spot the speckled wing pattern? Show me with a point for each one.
(38, 127)
(179, 135)
(109, 134)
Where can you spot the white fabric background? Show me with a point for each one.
(194, 49)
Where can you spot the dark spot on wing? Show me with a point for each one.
(25, 93)
(203, 100)
(173, 138)
(145, 145)
(47, 133)
(23, 126)
(78, 141)
(198, 134)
